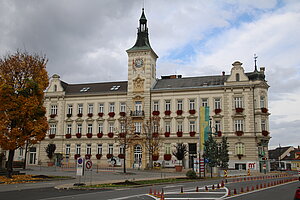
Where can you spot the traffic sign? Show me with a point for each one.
(80, 166)
(88, 164)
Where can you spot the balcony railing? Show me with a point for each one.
(137, 113)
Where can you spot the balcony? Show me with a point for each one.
(137, 113)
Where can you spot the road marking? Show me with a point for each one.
(127, 197)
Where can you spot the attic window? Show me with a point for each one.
(84, 89)
(115, 87)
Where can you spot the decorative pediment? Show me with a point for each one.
(138, 98)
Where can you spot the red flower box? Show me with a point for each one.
(239, 110)
(111, 114)
(99, 135)
(265, 133)
(240, 156)
(167, 112)
(167, 157)
(78, 135)
(79, 115)
(192, 112)
(121, 156)
(110, 135)
(219, 133)
(109, 156)
(122, 114)
(100, 114)
(239, 133)
(98, 156)
(76, 156)
(90, 114)
(179, 134)
(52, 115)
(155, 113)
(88, 156)
(68, 136)
(192, 133)
(69, 115)
(89, 135)
(51, 136)
(122, 135)
(179, 112)
(167, 134)
(218, 110)
(155, 157)
(155, 134)
(264, 110)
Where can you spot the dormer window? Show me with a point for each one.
(237, 77)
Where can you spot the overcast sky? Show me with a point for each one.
(85, 41)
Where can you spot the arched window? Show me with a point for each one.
(237, 77)
(55, 88)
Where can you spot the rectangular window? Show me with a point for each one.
(90, 108)
(52, 129)
(80, 108)
(238, 102)
(262, 102)
(70, 109)
(168, 127)
(78, 148)
(155, 106)
(111, 127)
(240, 148)
(90, 128)
(122, 107)
(167, 148)
(155, 127)
(69, 128)
(138, 127)
(263, 125)
(88, 149)
(179, 127)
(192, 126)
(101, 107)
(218, 125)
(99, 149)
(168, 105)
(138, 106)
(122, 149)
(192, 104)
(110, 148)
(122, 127)
(68, 149)
(205, 102)
(111, 107)
(100, 128)
(179, 105)
(217, 103)
(53, 110)
(239, 125)
(21, 151)
(79, 128)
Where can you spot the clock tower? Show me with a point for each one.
(141, 72)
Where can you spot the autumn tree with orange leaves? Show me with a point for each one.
(23, 79)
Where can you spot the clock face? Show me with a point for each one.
(138, 62)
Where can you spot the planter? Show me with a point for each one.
(78, 135)
(90, 114)
(51, 136)
(109, 156)
(68, 136)
(239, 110)
(79, 115)
(167, 134)
(69, 115)
(239, 133)
(179, 134)
(122, 135)
(110, 135)
(155, 113)
(167, 157)
(192, 112)
(122, 114)
(111, 114)
(99, 135)
(50, 164)
(178, 168)
(89, 135)
(192, 133)
(240, 156)
(219, 133)
(179, 112)
(100, 114)
(264, 110)
(76, 156)
(88, 156)
(155, 134)
(155, 157)
(52, 115)
(98, 156)
(167, 112)
(265, 133)
(218, 111)
(121, 156)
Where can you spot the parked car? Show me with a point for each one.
(297, 194)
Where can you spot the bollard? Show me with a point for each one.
(218, 186)
(197, 189)
(229, 193)
(213, 187)
(206, 188)
(226, 181)
(265, 185)
(181, 190)
(222, 184)
(234, 192)
(247, 190)
(257, 186)
(268, 185)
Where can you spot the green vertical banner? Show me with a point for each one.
(204, 125)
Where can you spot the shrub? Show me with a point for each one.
(191, 174)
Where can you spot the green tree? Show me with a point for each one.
(223, 153)
(23, 79)
(211, 152)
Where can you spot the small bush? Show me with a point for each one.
(191, 174)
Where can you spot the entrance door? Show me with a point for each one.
(137, 156)
(32, 155)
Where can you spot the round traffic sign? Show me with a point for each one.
(88, 164)
(80, 160)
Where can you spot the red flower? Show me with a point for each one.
(111, 114)
(51, 136)
(88, 156)
(121, 156)
(98, 156)
(123, 114)
(192, 133)
(239, 110)
(239, 133)
(179, 134)
(155, 134)
(100, 114)
(68, 135)
(218, 110)
(192, 112)
(78, 135)
(52, 115)
(110, 135)
(179, 112)
(219, 133)
(155, 113)
(167, 112)
(89, 135)
(155, 157)
(76, 156)
(99, 135)
(122, 135)
(265, 133)
(109, 156)
(264, 110)
(167, 157)
(79, 115)
(90, 114)
(167, 134)
(69, 115)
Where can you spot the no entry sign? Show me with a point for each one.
(88, 164)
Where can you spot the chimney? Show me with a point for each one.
(262, 70)
(223, 73)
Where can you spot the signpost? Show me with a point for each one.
(79, 170)
(88, 164)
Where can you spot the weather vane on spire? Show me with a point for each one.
(255, 59)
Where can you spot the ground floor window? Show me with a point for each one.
(240, 166)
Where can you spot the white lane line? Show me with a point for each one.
(127, 197)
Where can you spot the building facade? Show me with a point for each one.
(85, 118)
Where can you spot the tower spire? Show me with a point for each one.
(255, 60)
